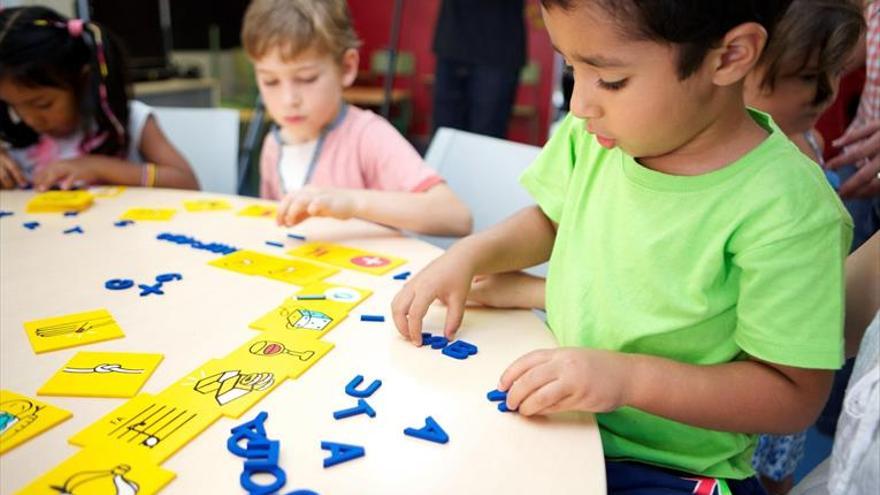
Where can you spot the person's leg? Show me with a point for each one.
(491, 93)
(775, 460)
(632, 478)
(450, 105)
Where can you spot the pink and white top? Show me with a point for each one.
(361, 151)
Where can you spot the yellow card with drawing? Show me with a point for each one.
(147, 425)
(299, 272)
(230, 386)
(250, 262)
(296, 352)
(150, 214)
(22, 418)
(346, 257)
(343, 297)
(206, 205)
(308, 318)
(101, 472)
(60, 201)
(102, 374)
(61, 332)
(265, 211)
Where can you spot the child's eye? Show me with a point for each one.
(269, 82)
(307, 80)
(612, 85)
(808, 78)
(43, 105)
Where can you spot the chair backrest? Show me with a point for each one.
(530, 74)
(404, 63)
(484, 172)
(208, 138)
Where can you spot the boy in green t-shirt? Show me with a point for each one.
(696, 256)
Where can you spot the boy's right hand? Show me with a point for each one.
(448, 278)
(11, 176)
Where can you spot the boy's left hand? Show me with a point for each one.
(567, 379)
(67, 174)
(315, 202)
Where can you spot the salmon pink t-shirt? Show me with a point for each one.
(361, 151)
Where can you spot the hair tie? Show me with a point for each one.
(75, 27)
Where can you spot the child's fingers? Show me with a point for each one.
(520, 366)
(296, 212)
(417, 311)
(71, 181)
(6, 179)
(548, 399)
(51, 178)
(528, 382)
(399, 309)
(14, 173)
(282, 210)
(454, 315)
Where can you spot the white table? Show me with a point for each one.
(206, 315)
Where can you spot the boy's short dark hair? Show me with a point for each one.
(695, 26)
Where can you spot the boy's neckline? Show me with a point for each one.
(657, 180)
(727, 144)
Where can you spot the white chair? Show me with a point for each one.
(484, 172)
(208, 138)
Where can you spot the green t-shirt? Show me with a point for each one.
(706, 269)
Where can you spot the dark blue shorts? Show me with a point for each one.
(632, 478)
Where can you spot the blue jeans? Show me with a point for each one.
(474, 98)
(632, 478)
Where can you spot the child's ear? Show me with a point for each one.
(737, 53)
(350, 61)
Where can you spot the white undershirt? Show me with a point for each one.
(294, 164)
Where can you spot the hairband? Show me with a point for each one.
(75, 27)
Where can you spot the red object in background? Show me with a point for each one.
(372, 21)
(833, 123)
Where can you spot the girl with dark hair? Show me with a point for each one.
(65, 116)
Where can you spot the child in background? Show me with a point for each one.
(65, 117)
(325, 157)
(696, 256)
(795, 81)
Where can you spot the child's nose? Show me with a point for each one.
(292, 98)
(584, 101)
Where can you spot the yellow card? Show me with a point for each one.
(266, 211)
(150, 426)
(230, 385)
(152, 214)
(102, 374)
(206, 205)
(297, 353)
(101, 472)
(107, 191)
(309, 318)
(337, 296)
(250, 262)
(60, 201)
(346, 257)
(299, 272)
(61, 332)
(22, 418)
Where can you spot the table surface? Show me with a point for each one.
(45, 273)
